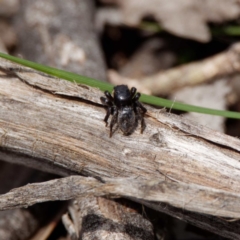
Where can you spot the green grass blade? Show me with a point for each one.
(186, 107)
(73, 77)
(106, 86)
(231, 30)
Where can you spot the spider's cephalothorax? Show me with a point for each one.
(125, 108)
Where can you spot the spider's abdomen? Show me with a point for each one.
(126, 120)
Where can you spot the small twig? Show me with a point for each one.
(166, 82)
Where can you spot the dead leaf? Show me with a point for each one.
(184, 18)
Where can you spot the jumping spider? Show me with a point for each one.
(125, 108)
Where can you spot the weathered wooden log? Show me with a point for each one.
(57, 126)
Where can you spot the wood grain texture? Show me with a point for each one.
(101, 218)
(185, 196)
(174, 161)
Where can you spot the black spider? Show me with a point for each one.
(125, 108)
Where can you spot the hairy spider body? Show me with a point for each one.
(126, 120)
(125, 109)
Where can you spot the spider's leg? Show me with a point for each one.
(109, 96)
(109, 112)
(107, 102)
(141, 117)
(133, 91)
(138, 104)
(113, 121)
(140, 110)
(143, 124)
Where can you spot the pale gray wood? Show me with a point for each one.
(75, 186)
(101, 218)
(191, 197)
(60, 124)
(59, 34)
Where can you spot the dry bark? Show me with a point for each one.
(50, 32)
(61, 35)
(112, 234)
(191, 197)
(174, 161)
(96, 216)
(76, 186)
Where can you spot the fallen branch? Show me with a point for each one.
(184, 196)
(165, 82)
(54, 125)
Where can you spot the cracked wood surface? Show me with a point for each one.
(102, 218)
(60, 125)
(186, 196)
